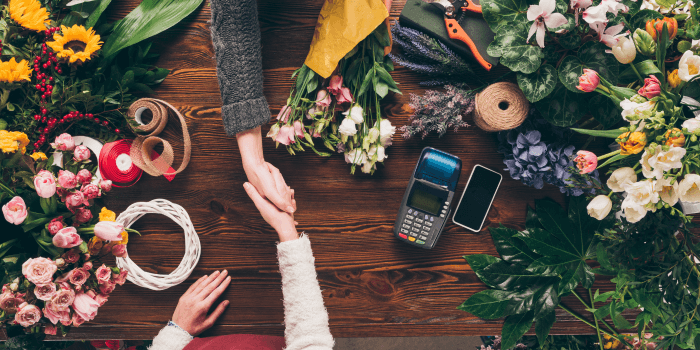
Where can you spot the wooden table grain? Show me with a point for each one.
(373, 285)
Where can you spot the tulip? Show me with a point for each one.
(656, 25)
(644, 42)
(635, 143)
(621, 178)
(651, 88)
(599, 207)
(675, 141)
(586, 161)
(589, 81)
(673, 79)
(624, 50)
(688, 188)
(109, 231)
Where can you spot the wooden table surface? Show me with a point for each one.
(373, 285)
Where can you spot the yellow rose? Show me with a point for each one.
(673, 79)
(107, 215)
(634, 144)
(37, 156)
(95, 245)
(678, 141)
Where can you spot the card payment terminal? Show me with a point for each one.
(426, 203)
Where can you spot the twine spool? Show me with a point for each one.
(142, 147)
(115, 164)
(501, 106)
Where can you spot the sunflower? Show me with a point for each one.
(76, 43)
(14, 72)
(29, 14)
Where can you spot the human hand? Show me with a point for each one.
(193, 307)
(281, 221)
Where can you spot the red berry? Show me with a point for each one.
(44, 111)
(37, 117)
(105, 123)
(50, 78)
(96, 120)
(116, 130)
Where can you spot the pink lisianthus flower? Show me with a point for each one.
(298, 129)
(344, 96)
(67, 237)
(63, 142)
(589, 81)
(87, 266)
(284, 113)
(335, 84)
(77, 320)
(27, 315)
(323, 98)
(45, 184)
(109, 231)
(45, 291)
(39, 270)
(81, 153)
(286, 135)
(15, 211)
(543, 15)
(586, 161)
(651, 88)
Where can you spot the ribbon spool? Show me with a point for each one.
(142, 146)
(501, 106)
(115, 164)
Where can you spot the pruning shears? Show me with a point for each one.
(454, 29)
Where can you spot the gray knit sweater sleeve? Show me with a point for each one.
(235, 33)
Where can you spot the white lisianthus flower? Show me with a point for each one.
(667, 192)
(620, 178)
(356, 156)
(355, 114)
(386, 131)
(379, 151)
(689, 188)
(633, 112)
(688, 66)
(274, 130)
(599, 207)
(347, 128)
(691, 124)
(642, 193)
(373, 135)
(633, 212)
(367, 167)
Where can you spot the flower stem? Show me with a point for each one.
(637, 72)
(613, 153)
(7, 189)
(597, 326)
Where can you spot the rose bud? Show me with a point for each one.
(84, 176)
(91, 191)
(81, 153)
(83, 215)
(60, 262)
(106, 185)
(54, 226)
(64, 142)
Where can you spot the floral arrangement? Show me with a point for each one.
(342, 112)
(438, 111)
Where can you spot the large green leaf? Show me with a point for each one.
(514, 327)
(510, 44)
(591, 55)
(478, 262)
(604, 111)
(570, 280)
(543, 325)
(505, 276)
(540, 84)
(95, 15)
(512, 249)
(646, 67)
(498, 13)
(563, 107)
(151, 17)
(489, 304)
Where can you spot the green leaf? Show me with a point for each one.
(603, 311)
(478, 262)
(95, 15)
(510, 44)
(488, 304)
(531, 220)
(612, 134)
(561, 108)
(505, 276)
(557, 221)
(3, 124)
(570, 41)
(5, 247)
(498, 13)
(514, 327)
(45, 205)
(29, 225)
(368, 80)
(618, 320)
(645, 300)
(128, 79)
(592, 56)
(543, 325)
(151, 17)
(540, 84)
(604, 297)
(570, 280)
(612, 160)
(645, 68)
(604, 111)
(639, 20)
(512, 249)
(381, 89)
(602, 257)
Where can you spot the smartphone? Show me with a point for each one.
(477, 198)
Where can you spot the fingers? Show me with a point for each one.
(283, 191)
(217, 292)
(195, 285)
(216, 313)
(205, 282)
(261, 203)
(212, 285)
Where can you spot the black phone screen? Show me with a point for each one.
(477, 198)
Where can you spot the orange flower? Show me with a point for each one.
(634, 144)
(655, 25)
(675, 141)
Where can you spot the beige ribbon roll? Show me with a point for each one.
(501, 106)
(142, 146)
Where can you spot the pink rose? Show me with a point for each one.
(78, 277)
(119, 251)
(286, 135)
(85, 307)
(103, 273)
(335, 84)
(651, 88)
(63, 298)
(76, 199)
(63, 142)
(15, 211)
(323, 98)
(67, 237)
(589, 81)
(39, 270)
(10, 302)
(81, 153)
(45, 291)
(71, 256)
(101, 299)
(77, 320)
(91, 191)
(45, 184)
(87, 266)
(50, 330)
(82, 215)
(106, 185)
(120, 278)
(55, 225)
(344, 95)
(84, 176)
(298, 129)
(67, 179)
(27, 315)
(107, 287)
(109, 231)
(586, 161)
(284, 113)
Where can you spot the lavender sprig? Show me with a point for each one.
(438, 111)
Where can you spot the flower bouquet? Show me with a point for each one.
(343, 112)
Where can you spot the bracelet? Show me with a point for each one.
(173, 324)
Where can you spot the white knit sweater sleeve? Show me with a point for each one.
(305, 316)
(171, 338)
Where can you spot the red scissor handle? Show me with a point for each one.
(455, 31)
(471, 6)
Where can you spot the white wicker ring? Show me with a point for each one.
(192, 246)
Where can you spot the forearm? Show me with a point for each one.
(171, 338)
(250, 146)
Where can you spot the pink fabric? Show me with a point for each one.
(238, 342)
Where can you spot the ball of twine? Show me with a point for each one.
(501, 106)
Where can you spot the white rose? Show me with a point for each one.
(621, 178)
(355, 114)
(347, 128)
(599, 207)
(688, 66)
(367, 167)
(633, 112)
(373, 135)
(356, 156)
(633, 212)
(668, 160)
(688, 189)
(379, 151)
(642, 193)
(386, 131)
(667, 192)
(691, 124)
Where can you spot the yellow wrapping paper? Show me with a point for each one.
(341, 25)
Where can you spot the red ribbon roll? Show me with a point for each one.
(115, 164)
